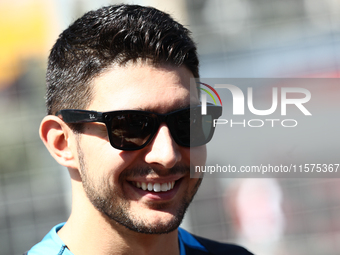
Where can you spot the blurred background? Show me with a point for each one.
(236, 39)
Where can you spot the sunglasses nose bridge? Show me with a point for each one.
(169, 120)
(163, 149)
(164, 118)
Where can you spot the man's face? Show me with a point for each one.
(115, 180)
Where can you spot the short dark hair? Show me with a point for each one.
(115, 34)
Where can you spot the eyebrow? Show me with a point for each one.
(184, 106)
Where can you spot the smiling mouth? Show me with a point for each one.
(155, 187)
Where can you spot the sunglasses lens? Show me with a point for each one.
(190, 128)
(131, 131)
(180, 127)
(201, 129)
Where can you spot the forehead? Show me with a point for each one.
(141, 86)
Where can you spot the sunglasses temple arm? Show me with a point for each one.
(80, 116)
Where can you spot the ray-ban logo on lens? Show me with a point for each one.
(238, 107)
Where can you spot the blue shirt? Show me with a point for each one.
(188, 245)
(51, 244)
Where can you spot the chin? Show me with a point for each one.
(151, 221)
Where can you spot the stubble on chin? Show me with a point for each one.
(112, 202)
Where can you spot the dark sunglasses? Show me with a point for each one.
(133, 130)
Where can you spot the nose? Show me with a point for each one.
(163, 150)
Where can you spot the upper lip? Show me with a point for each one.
(157, 179)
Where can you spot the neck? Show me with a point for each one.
(89, 231)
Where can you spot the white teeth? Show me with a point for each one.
(143, 186)
(156, 187)
(164, 187)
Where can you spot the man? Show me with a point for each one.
(122, 119)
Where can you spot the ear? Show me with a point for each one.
(59, 140)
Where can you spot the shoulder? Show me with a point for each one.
(202, 246)
(50, 244)
(222, 248)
